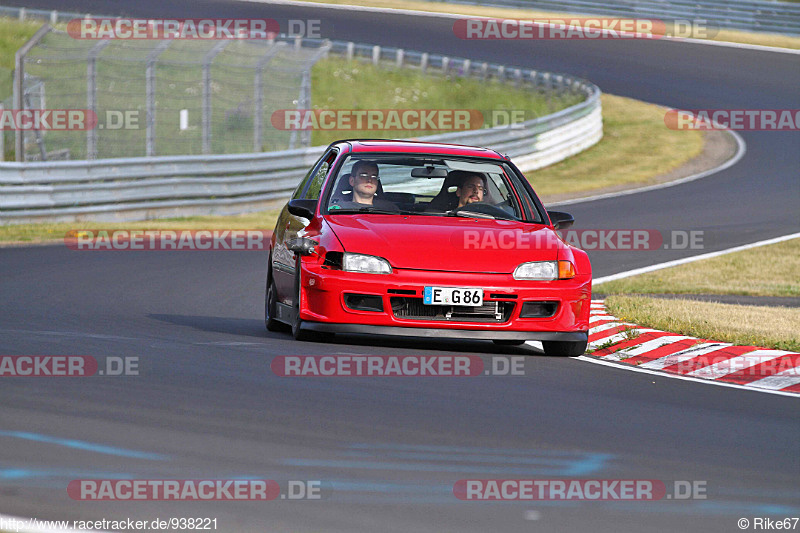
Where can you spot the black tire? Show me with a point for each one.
(508, 342)
(271, 306)
(564, 348)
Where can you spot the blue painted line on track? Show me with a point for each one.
(83, 445)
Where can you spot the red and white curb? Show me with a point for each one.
(749, 367)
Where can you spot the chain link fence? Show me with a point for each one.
(163, 97)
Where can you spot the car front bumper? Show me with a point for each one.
(324, 308)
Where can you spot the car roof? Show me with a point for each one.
(418, 147)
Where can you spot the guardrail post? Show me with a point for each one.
(150, 97)
(207, 60)
(22, 13)
(351, 46)
(466, 66)
(445, 64)
(305, 101)
(423, 62)
(258, 95)
(376, 54)
(91, 95)
(19, 86)
(484, 70)
(399, 56)
(53, 17)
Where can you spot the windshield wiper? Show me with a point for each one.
(366, 209)
(469, 214)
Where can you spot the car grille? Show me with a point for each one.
(414, 309)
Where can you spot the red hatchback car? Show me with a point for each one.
(426, 240)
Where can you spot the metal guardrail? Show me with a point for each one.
(748, 15)
(142, 188)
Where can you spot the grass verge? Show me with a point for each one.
(54, 232)
(769, 327)
(635, 148)
(772, 270)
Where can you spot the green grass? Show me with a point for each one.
(339, 84)
(34, 233)
(768, 327)
(772, 270)
(636, 147)
(13, 34)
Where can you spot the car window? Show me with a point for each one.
(422, 185)
(315, 187)
(313, 174)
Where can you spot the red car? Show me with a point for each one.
(426, 240)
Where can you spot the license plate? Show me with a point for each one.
(465, 296)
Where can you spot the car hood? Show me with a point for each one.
(454, 244)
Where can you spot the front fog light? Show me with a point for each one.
(366, 263)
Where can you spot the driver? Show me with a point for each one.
(471, 189)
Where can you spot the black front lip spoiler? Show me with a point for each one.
(325, 327)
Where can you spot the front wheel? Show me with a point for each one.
(564, 348)
(271, 307)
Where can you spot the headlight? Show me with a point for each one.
(545, 270)
(366, 263)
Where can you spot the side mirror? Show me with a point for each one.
(303, 208)
(560, 219)
(302, 246)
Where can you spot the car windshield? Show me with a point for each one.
(423, 185)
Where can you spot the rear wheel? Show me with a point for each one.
(564, 348)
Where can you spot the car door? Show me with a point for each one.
(288, 226)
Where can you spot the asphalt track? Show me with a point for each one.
(207, 406)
